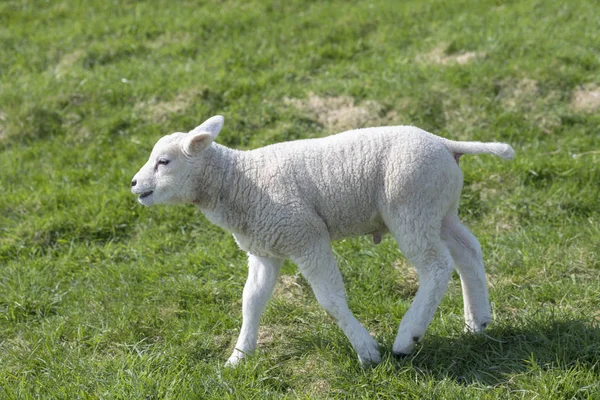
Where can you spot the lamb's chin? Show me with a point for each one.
(146, 199)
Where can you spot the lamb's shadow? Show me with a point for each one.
(504, 351)
(488, 359)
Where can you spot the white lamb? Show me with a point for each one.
(290, 200)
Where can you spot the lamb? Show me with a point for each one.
(290, 200)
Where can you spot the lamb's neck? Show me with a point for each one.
(227, 198)
(214, 176)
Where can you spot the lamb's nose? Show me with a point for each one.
(133, 182)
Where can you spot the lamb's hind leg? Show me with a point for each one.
(466, 251)
(262, 276)
(320, 270)
(434, 264)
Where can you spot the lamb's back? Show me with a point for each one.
(345, 178)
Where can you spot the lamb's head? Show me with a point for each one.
(162, 180)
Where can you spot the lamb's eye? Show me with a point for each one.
(163, 161)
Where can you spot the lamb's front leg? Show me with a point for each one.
(262, 276)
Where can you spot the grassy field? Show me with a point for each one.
(103, 298)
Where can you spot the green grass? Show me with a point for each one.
(102, 298)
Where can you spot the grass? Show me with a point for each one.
(102, 298)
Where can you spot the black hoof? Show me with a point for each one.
(400, 356)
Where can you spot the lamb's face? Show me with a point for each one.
(159, 180)
(162, 180)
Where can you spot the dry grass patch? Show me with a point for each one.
(485, 189)
(342, 112)
(524, 95)
(439, 55)
(3, 131)
(224, 342)
(515, 94)
(407, 279)
(66, 63)
(160, 111)
(314, 367)
(586, 98)
(506, 224)
(169, 311)
(461, 118)
(499, 281)
(268, 335)
(290, 288)
(169, 39)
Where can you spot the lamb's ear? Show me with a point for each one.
(193, 144)
(212, 125)
(202, 136)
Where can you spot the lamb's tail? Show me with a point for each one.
(502, 150)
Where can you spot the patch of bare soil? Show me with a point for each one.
(586, 98)
(439, 56)
(342, 112)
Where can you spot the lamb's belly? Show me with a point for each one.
(339, 229)
(257, 247)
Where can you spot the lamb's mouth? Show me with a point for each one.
(146, 194)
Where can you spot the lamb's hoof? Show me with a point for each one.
(405, 344)
(234, 360)
(232, 363)
(474, 327)
(477, 325)
(369, 363)
(371, 360)
(368, 354)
